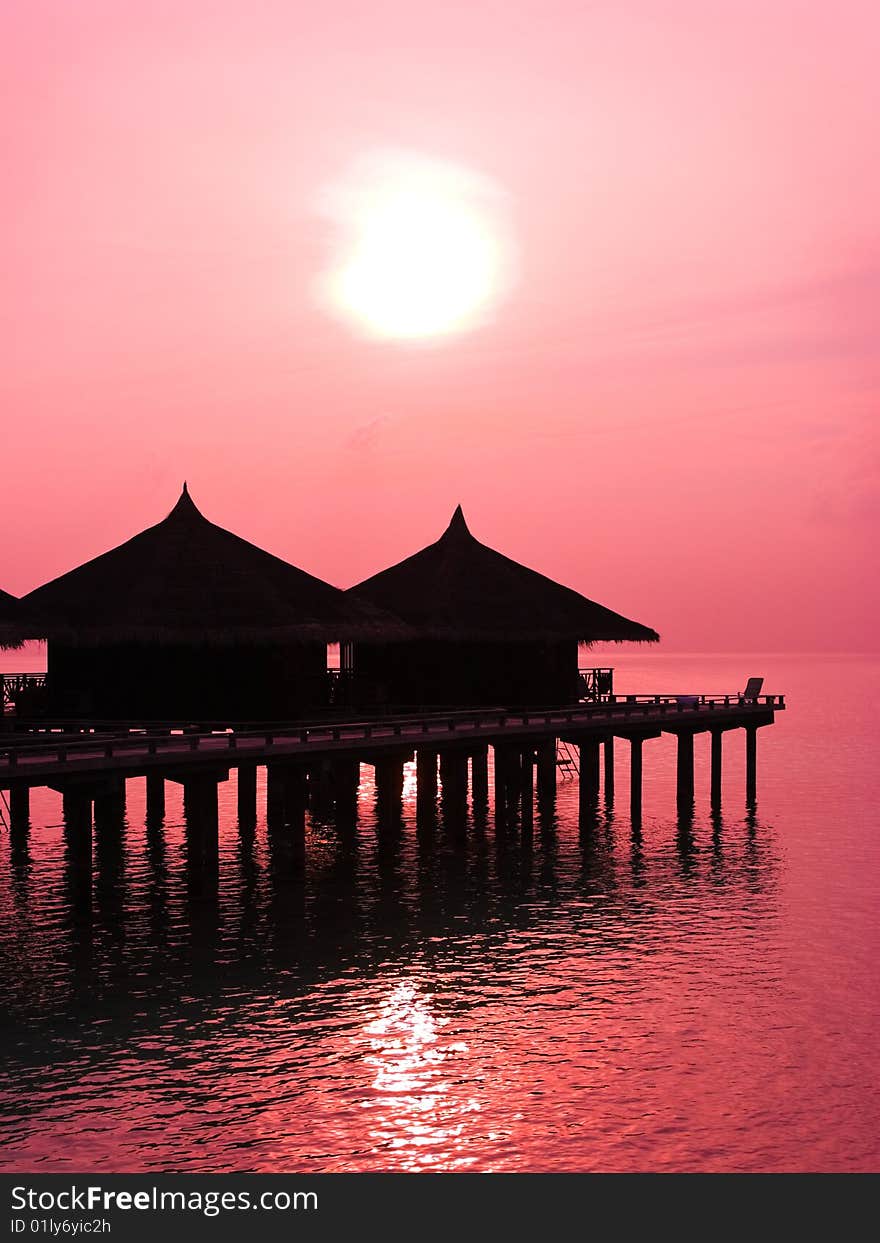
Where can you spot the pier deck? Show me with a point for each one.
(136, 752)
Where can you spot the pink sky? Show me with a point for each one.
(674, 411)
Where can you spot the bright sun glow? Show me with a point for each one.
(426, 247)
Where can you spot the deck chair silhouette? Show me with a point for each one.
(753, 689)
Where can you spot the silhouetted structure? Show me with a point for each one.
(491, 630)
(309, 766)
(10, 621)
(188, 621)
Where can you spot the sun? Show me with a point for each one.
(426, 248)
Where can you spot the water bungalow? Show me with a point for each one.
(187, 620)
(490, 630)
(188, 624)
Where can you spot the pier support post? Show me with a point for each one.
(453, 768)
(320, 789)
(286, 797)
(453, 786)
(202, 831)
(200, 802)
(155, 797)
(500, 791)
(246, 793)
(389, 784)
(480, 778)
(109, 811)
(608, 754)
(200, 812)
(76, 803)
(527, 787)
(684, 777)
(751, 764)
(635, 779)
(346, 780)
(588, 765)
(715, 766)
(287, 783)
(19, 808)
(274, 796)
(426, 780)
(346, 776)
(295, 798)
(109, 803)
(546, 752)
(505, 762)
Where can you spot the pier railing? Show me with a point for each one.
(595, 684)
(341, 688)
(17, 688)
(230, 747)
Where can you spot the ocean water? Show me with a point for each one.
(693, 996)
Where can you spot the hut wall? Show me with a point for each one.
(466, 673)
(186, 681)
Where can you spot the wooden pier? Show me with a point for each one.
(90, 769)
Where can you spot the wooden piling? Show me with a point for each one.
(286, 800)
(499, 791)
(19, 807)
(608, 755)
(78, 864)
(527, 787)
(453, 767)
(109, 803)
(426, 781)
(389, 784)
(717, 737)
(320, 791)
(588, 765)
(346, 781)
(480, 778)
(109, 814)
(246, 794)
(506, 762)
(155, 797)
(202, 834)
(294, 797)
(200, 801)
(76, 804)
(546, 770)
(684, 775)
(453, 788)
(635, 779)
(274, 796)
(751, 764)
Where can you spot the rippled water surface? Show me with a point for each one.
(699, 996)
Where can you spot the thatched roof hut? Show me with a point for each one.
(460, 589)
(187, 580)
(490, 630)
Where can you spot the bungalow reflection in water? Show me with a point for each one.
(188, 621)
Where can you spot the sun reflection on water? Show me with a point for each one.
(421, 1105)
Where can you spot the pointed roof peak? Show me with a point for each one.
(457, 525)
(186, 506)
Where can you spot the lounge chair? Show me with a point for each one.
(753, 690)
